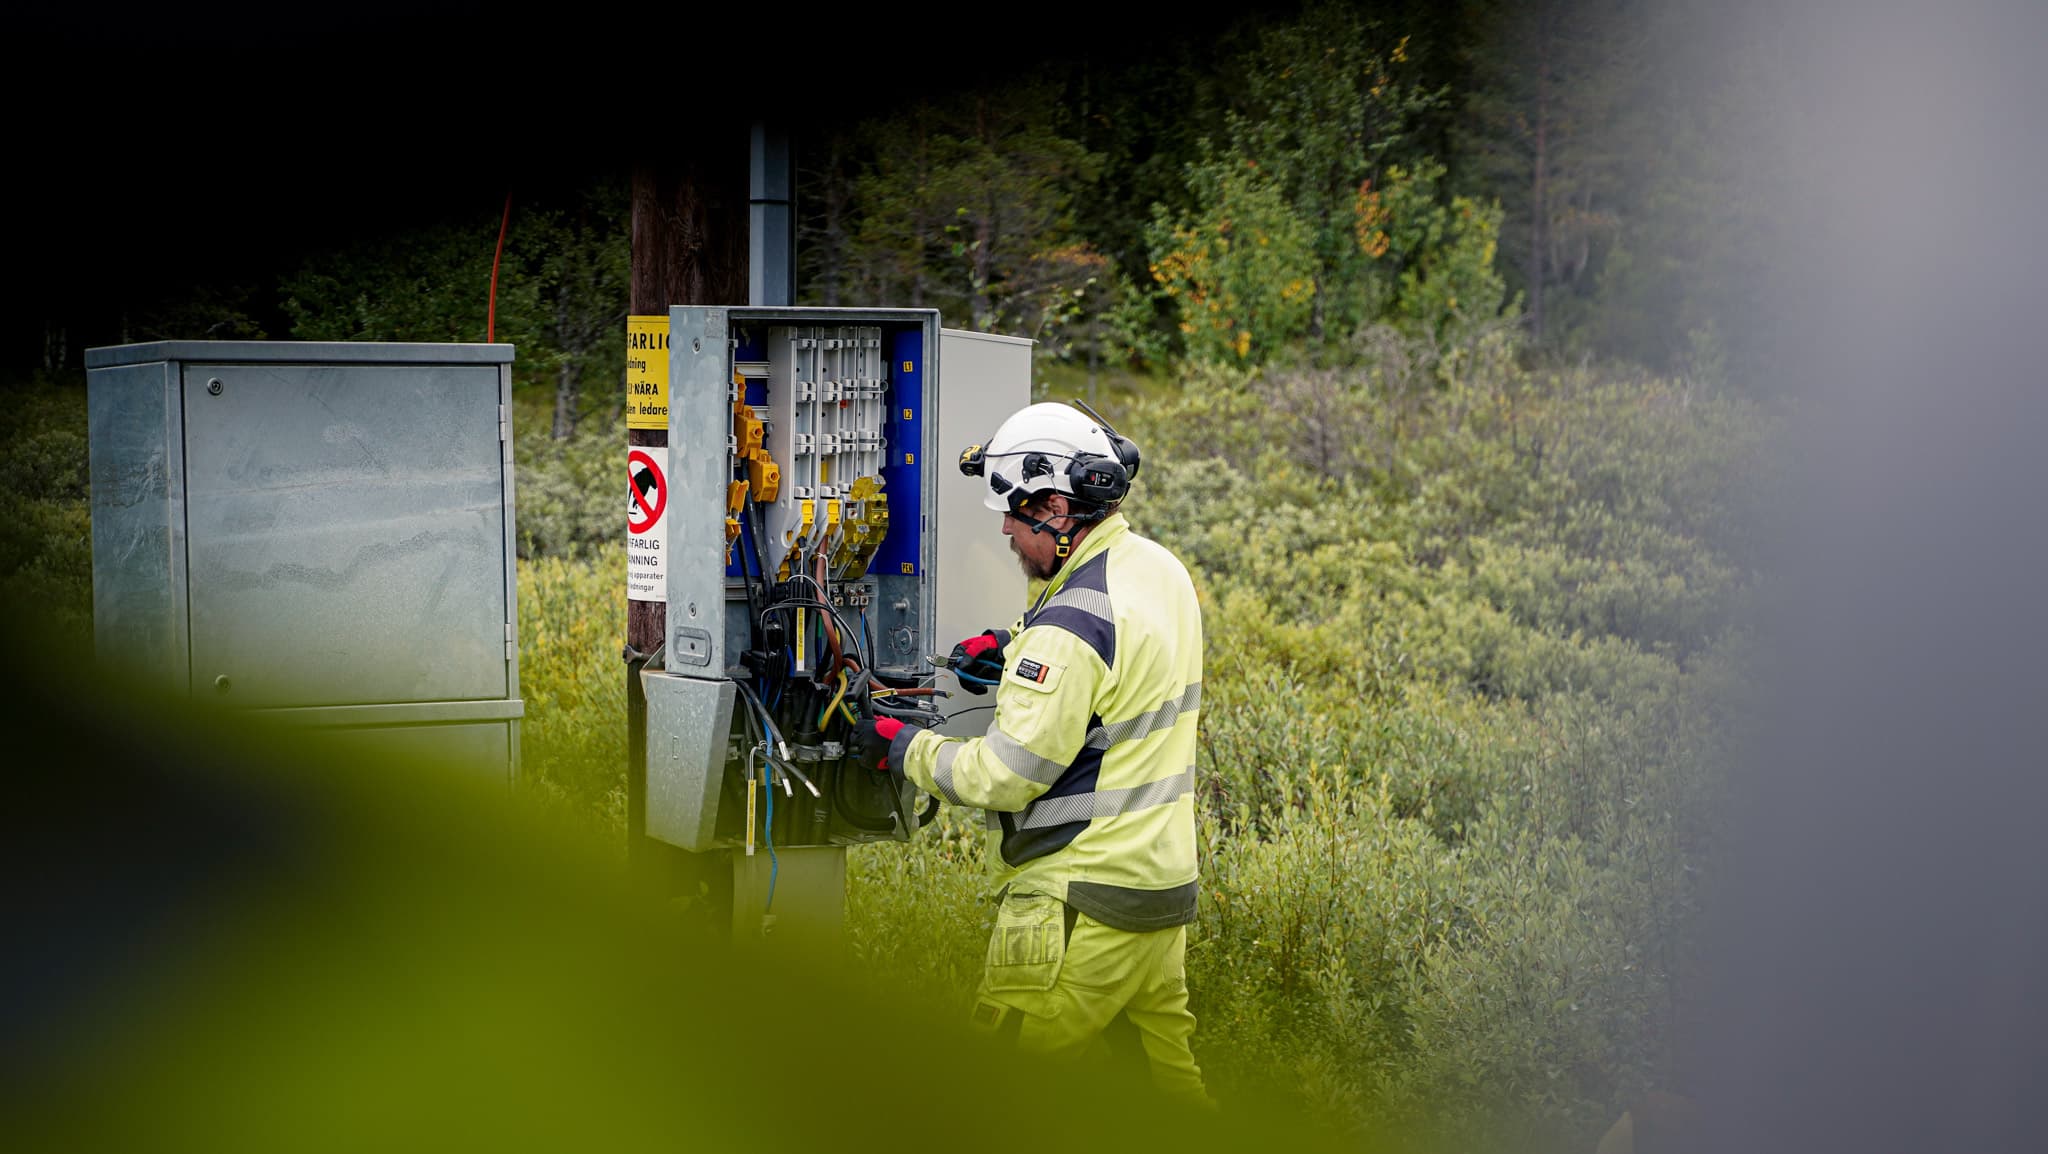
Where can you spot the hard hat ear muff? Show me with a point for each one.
(1097, 479)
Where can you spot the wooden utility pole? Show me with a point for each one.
(689, 248)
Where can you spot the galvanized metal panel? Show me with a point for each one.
(138, 520)
(771, 241)
(483, 748)
(299, 352)
(347, 532)
(509, 548)
(699, 421)
(987, 378)
(688, 720)
(398, 713)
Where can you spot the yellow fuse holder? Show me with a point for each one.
(747, 430)
(765, 476)
(735, 500)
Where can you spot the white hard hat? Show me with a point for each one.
(1052, 448)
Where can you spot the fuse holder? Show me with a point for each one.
(765, 476)
(747, 430)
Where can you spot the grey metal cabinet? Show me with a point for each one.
(320, 531)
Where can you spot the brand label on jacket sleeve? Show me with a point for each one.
(1036, 674)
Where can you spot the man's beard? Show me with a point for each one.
(1032, 570)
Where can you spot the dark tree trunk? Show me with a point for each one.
(689, 248)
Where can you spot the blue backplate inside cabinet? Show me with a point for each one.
(901, 551)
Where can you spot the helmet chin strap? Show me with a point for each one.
(1063, 540)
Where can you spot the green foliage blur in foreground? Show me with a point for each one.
(238, 939)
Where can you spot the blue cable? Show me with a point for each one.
(768, 836)
(971, 678)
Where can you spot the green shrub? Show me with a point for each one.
(570, 491)
(572, 629)
(45, 519)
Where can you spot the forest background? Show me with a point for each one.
(1422, 314)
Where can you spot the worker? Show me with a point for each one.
(1087, 771)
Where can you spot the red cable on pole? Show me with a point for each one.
(491, 319)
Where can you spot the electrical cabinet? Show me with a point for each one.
(322, 532)
(804, 556)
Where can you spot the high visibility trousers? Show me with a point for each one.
(1059, 978)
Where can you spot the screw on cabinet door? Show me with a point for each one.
(214, 386)
(222, 683)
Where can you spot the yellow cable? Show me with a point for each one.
(837, 698)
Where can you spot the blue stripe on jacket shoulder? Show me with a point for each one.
(1093, 574)
(1097, 631)
(1098, 634)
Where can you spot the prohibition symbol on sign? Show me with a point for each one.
(650, 492)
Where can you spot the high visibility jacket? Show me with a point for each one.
(1088, 769)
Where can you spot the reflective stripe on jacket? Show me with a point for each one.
(1087, 770)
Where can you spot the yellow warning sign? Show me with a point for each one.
(647, 372)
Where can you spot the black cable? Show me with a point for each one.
(860, 651)
(852, 815)
(969, 709)
(790, 768)
(751, 542)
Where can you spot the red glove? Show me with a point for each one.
(872, 738)
(978, 661)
